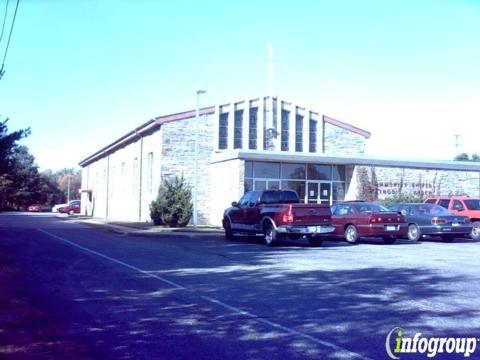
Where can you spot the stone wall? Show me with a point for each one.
(339, 141)
(389, 181)
(178, 157)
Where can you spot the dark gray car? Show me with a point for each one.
(430, 219)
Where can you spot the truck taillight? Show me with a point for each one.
(288, 217)
(437, 221)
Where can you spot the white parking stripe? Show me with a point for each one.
(343, 352)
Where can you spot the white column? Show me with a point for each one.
(306, 131)
(231, 124)
(246, 124)
(216, 124)
(278, 143)
(291, 128)
(260, 122)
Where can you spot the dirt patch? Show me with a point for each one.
(25, 331)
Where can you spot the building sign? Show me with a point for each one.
(415, 188)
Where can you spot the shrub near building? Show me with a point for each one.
(173, 205)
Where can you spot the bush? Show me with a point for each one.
(173, 205)
(402, 198)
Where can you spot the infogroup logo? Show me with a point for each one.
(397, 343)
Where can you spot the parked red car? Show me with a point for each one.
(355, 219)
(73, 207)
(38, 208)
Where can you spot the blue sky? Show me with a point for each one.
(82, 73)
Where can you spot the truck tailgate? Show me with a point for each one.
(311, 214)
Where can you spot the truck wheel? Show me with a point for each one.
(351, 234)
(475, 233)
(269, 234)
(414, 232)
(314, 241)
(228, 230)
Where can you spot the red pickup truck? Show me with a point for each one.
(276, 214)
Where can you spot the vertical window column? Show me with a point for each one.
(284, 137)
(253, 128)
(246, 125)
(238, 131)
(298, 133)
(313, 136)
(223, 131)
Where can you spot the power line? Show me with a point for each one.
(8, 42)
(4, 21)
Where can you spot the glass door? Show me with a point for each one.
(318, 192)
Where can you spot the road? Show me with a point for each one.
(198, 296)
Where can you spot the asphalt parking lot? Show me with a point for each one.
(198, 296)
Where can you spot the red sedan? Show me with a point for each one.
(356, 219)
(73, 207)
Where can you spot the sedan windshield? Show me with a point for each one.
(473, 204)
(429, 209)
(370, 208)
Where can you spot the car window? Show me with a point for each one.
(244, 199)
(289, 197)
(457, 205)
(473, 204)
(253, 199)
(343, 209)
(429, 209)
(430, 201)
(369, 208)
(444, 203)
(271, 197)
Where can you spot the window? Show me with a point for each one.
(223, 131)
(430, 201)
(338, 191)
(237, 129)
(313, 136)
(293, 171)
(297, 186)
(285, 130)
(457, 205)
(338, 172)
(150, 172)
(299, 133)
(252, 132)
(248, 169)
(266, 170)
(319, 172)
(444, 203)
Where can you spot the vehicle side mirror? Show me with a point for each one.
(460, 209)
(235, 204)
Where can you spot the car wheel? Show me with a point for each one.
(71, 212)
(315, 241)
(414, 232)
(270, 235)
(228, 230)
(389, 240)
(475, 233)
(351, 234)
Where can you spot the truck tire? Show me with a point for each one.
(228, 230)
(314, 241)
(270, 235)
(475, 233)
(351, 234)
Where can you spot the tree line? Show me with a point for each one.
(21, 182)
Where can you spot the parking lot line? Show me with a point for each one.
(343, 352)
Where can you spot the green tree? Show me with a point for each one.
(173, 205)
(8, 144)
(465, 157)
(21, 185)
